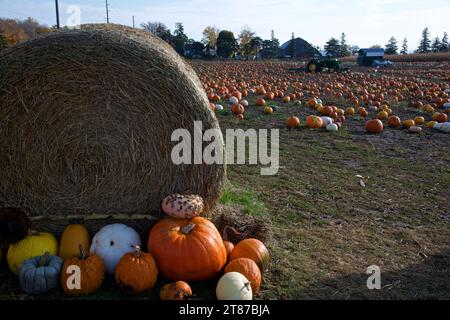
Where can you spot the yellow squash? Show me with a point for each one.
(35, 244)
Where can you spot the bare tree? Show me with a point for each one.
(210, 34)
(245, 37)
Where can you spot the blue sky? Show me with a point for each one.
(366, 22)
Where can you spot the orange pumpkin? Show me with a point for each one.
(188, 250)
(311, 102)
(328, 111)
(350, 111)
(179, 290)
(249, 269)
(293, 122)
(382, 115)
(237, 109)
(252, 249)
(374, 126)
(260, 102)
(92, 273)
(314, 122)
(439, 117)
(137, 271)
(394, 122)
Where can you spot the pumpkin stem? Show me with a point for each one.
(44, 260)
(137, 250)
(247, 285)
(187, 229)
(82, 252)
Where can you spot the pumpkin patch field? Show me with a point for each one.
(363, 181)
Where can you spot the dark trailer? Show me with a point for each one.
(366, 57)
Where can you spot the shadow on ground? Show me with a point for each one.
(427, 280)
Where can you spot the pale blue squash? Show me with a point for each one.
(40, 274)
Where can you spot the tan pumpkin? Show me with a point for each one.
(248, 268)
(73, 236)
(136, 271)
(179, 290)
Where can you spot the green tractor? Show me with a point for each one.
(319, 63)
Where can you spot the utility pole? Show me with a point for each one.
(107, 12)
(133, 22)
(57, 14)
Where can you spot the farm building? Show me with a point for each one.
(366, 57)
(303, 48)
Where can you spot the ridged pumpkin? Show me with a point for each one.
(179, 290)
(92, 273)
(136, 271)
(248, 268)
(188, 250)
(40, 275)
(252, 249)
(34, 245)
(73, 236)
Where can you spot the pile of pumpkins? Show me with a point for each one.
(183, 247)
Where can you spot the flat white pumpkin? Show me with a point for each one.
(219, 107)
(234, 286)
(244, 103)
(332, 127)
(111, 242)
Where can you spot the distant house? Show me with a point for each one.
(303, 49)
(366, 57)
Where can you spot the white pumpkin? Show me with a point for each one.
(332, 127)
(373, 108)
(234, 286)
(445, 127)
(438, 126)
(244, 103)
(219, 107)
(233, 100)
(319, 101)
(446, 105)
(111, 242)
(326, 121)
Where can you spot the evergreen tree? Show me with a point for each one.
(436, 46)
(293, 47)
(444, 43)
(425, 42)
(344, 49)
(404, 47)
(391, 47)
(179, 38)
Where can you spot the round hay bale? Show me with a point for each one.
(86, 118)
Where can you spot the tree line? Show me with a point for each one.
(224, 44)
(339, 47)
(216, 42)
